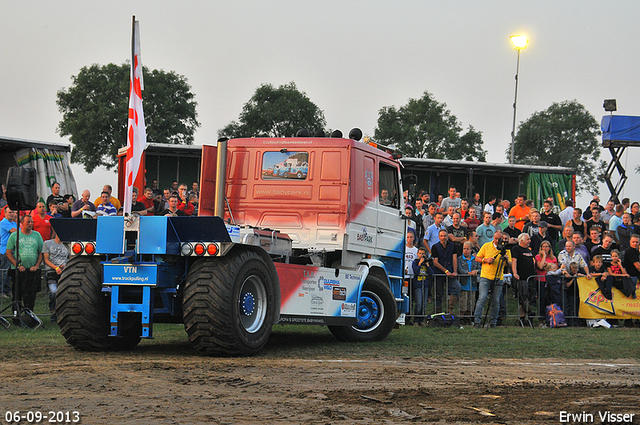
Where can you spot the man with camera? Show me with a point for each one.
(57, 198)
(494, 256)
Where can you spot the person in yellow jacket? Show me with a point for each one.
(492, 255)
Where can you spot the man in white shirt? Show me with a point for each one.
(567, 213)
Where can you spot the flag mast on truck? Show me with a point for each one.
(136, 135)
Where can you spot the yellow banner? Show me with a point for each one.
(594, 305)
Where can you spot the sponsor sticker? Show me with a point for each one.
(328, 284)
(348, 309)
(339, 293)
(317, 305)
(364, 236)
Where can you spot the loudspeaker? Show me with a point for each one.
(21, 188)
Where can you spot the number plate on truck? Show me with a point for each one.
(130, 274)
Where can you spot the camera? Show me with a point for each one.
(502, 247)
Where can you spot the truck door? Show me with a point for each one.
(390, 225)
(374, 225)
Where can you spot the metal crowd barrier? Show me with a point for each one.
(568, 299)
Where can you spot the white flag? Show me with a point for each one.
(137, 134)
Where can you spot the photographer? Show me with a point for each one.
(422, 272)
(492, 255)
(57, 198)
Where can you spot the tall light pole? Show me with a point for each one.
(519, 42)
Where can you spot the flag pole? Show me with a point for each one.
(133, 41)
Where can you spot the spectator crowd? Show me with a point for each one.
(471, 250)
(42, 257)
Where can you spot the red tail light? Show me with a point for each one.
(90, 248)
(212, 249)
(199, 249)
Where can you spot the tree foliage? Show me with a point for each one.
(95, 110)
(565, 135)
(424, 128)
(276, 112)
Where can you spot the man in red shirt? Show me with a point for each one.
(147, 200)
(41, 221)
(183, 200)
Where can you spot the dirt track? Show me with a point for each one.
(165, 388)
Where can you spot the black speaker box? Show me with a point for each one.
(21, 188)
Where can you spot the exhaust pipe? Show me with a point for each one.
(221, 176)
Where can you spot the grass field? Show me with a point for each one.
(298, 341)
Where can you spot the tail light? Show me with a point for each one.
(212, 249)
(199, 249)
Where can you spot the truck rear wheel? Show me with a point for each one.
(377, 313)
(229, 304)
(83, 311)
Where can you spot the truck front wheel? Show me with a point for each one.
(377, 313)
(229, 304)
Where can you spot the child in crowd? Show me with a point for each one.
(467, 265)
(570, 306)
(410, 254)
(619, 278)
(598, 271)
(421, 273)
(574, 271)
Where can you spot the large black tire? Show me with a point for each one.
(377, 312)
(229, 304)
(83, 311)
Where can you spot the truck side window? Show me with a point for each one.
(388, 186)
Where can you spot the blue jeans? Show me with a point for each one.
(419, 301)
(484, 285)
(420, 295)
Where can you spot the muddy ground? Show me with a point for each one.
(162, 386)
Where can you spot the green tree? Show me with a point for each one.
(276, 112)
(424, 128)
(565, 135)
(95, 110)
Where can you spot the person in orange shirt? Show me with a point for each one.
(521, 212)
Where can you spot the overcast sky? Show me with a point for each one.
(350, 57)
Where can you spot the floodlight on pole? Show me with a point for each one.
(519, 42)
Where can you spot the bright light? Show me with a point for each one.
(519, 41)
